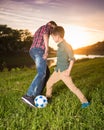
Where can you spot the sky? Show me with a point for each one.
(83, 20)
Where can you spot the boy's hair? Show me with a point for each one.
(59, 30)
(53, 23)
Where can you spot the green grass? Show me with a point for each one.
(64, 113)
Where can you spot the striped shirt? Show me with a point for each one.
(38, 41)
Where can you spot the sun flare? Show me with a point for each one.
(76, 36)
(79, 36)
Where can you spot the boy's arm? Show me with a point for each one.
(70, 67)
(68, 71)
(46, 41)
(71, 57)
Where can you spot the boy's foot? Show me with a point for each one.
(84, 105)
(29, 100)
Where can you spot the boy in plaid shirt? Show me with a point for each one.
(39, 52)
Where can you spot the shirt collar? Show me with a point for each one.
(60, 43)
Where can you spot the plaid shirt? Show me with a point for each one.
(38, 41)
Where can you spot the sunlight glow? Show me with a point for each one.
(77, 36)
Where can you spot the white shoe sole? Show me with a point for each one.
(29, 103)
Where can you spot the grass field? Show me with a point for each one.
(65, 112)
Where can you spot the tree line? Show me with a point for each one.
(13, 40)
(95, 49)
(14, 47)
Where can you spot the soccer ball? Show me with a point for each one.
(41, 101)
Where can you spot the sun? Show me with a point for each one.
(77, 36)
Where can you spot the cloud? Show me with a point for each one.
(41, 1)
(79, 12)
(33, 1)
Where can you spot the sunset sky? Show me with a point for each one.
(83, 20)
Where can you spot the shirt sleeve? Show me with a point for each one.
(46, 30)
(70, 52)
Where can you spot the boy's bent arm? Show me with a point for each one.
(68, 71)
(46, 41)
(70, 66)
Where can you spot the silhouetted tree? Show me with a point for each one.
(13, 41)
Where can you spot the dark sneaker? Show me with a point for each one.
(29, 100)
(84, 105)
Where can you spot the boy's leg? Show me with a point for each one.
(35, 87)
(55, 77)
(45, 80)
(68, 81)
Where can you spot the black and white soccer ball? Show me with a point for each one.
(40, 101)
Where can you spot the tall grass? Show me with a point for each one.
(65, 112)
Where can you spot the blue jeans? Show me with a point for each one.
(41, 65)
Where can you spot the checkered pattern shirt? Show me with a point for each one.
(38, 41)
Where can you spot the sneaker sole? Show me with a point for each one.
(29, 103)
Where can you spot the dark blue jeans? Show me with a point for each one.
(38, 82)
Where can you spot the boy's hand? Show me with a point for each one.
(45, 55)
